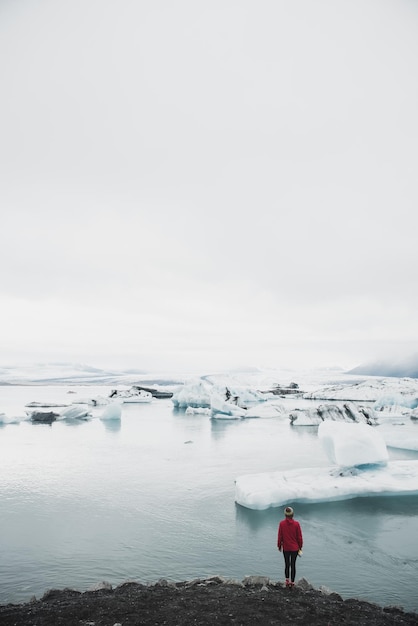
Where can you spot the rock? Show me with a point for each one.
(202, 603)
(304, 584)
(252, 581)
(43, 417)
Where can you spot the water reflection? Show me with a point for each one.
(112, 426)
(70, 421)
(304, 431)
(256, 520)
(368, 509)
(219, 428)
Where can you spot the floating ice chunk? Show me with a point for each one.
(43, 417)
(6, 419)
(132, 395)
(74, 412)
(352, 444)
(138, 398)
(263, 491)
(113, 411)
(391, 409)
(195, 394)
(347, 412)
(192, 410)
(399, 402)
(224, 409)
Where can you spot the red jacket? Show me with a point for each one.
(289, 537)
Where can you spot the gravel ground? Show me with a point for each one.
(205, 602)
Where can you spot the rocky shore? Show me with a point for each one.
(204, 602)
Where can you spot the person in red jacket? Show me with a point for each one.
(290, 540)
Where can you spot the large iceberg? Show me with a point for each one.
(194, 394)
(220, 397)
(262, 491)
(347, 412)
(360, 468)
(350, 445)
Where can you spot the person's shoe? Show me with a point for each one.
(291, 584)
(288, 583)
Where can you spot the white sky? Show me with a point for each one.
(208, 184)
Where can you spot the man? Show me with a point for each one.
(289, 539)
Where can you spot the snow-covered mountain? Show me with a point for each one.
(399, 367)
(75, 374)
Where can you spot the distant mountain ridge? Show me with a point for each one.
(65, 373)
(406, 367)
(81, 374)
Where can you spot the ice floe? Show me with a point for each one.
(203, 392)
(359, 467)
(351, 445)
(112, 411)
(346, 412)
(134, 395)
(263, 491)
(222, 408)
(195, 394)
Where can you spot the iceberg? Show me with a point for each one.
(74, 412)
(350, 445)
(224, 409)
(112, 411)
(347, 412)
(205, 391)
(392, 410)
(47, 417)
(195, 394)
(268, 490)
(6, 419)
(133, 395)
(359, 467)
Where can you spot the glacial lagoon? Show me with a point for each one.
(152, 496)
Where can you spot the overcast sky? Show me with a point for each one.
(208, 184)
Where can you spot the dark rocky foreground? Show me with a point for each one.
(204, 602)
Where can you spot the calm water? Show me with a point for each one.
(152, 496)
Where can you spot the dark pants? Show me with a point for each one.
(290, 564)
